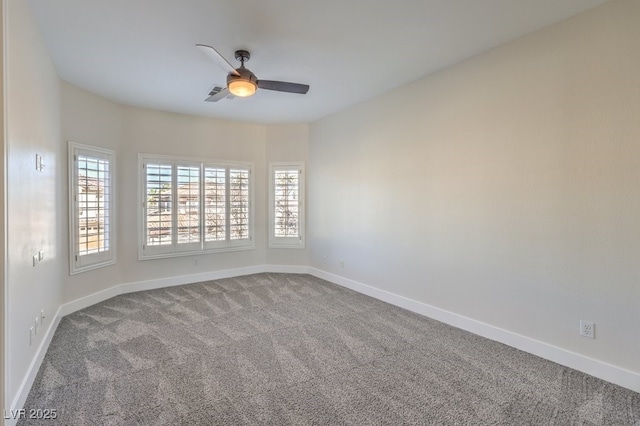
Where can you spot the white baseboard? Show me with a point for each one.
(188, 279)
(286, 269)
(611, 373)
(32, 372)
(605, 371)
(101, 296)
(86, 301)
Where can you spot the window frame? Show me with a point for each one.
(176, 249)
(297, 242)
(82, 263)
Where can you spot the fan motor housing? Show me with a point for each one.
(245, 74)
(243, 85)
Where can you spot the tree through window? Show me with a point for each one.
(191, 206)
(286, 210)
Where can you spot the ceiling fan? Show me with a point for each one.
(241, 81)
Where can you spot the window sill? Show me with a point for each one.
(142, 256)
(80, 269)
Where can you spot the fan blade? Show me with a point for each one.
(218, 58)
(218, 93)
(283, 86)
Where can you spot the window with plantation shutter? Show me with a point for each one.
(159, 194)
(188, 219)
(239, 204)
(190, 206)
(215, 205)
(91, 206)
(286, 205)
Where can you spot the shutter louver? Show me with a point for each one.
(239, 204)
(286, 203)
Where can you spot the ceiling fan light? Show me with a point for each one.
(242, 88)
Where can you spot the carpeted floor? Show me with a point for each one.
(293, 349)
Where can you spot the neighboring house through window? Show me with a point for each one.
(191, 206)
(91, 206)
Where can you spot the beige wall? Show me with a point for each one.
(155, 132)
(286, 143)
(504, 189)
(35, 200)
(3, 204)
(46, 113)
(89, 119)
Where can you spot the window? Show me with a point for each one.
(91, 206)
(190, 206)
(286, 205)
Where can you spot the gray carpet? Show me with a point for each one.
(293, 349)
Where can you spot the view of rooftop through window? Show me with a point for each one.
(174, 203)
(92, 200)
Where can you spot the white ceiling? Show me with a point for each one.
(142, 52)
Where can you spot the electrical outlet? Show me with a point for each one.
(36, 259)
(41, 255)
(30, 335)
(587, 329)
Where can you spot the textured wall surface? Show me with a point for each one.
(34, 199)
(504, 189)
(93, 120)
